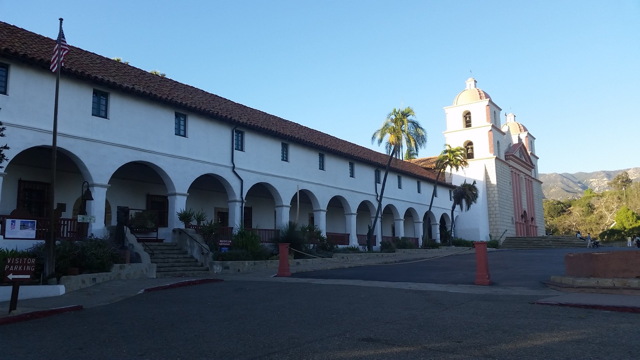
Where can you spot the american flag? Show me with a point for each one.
(59, 51)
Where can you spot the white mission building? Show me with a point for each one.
(146, 142)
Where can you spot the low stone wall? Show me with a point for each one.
(620, 264)
(118, 272)
(240, 267)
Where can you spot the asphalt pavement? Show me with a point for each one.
(450, 269)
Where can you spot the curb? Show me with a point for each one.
(180, 284)
(38, 314)
(627, 309)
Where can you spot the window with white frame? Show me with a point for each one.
(399, 182)
(320, 161)
(419, 187)
(352, 169)
(377, 176)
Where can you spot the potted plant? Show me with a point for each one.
(200, 217)
(186, 216)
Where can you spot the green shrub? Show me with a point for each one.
(387, 246)
(430, 244)
(89, 256)
(200, 217)
(612, 235)
(348, 249)
(185, 216)
(292, 235)
(313, 235)
(461, 242)
(495, 244)
(249, 241)
(97, 255)
(209, 231)
(404, 243)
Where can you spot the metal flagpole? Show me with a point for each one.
(50, 261)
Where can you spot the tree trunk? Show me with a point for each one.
(433, 193)
(379, 208)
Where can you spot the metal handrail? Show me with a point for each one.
(143, 243)
(202, 246)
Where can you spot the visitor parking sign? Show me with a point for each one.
(19, 269)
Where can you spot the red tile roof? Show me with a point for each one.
(27, 47)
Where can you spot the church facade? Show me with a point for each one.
(502, 162)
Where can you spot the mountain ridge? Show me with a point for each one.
(564, 186)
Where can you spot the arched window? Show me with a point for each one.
(468, 146)
(467, 119)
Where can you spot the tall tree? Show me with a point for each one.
(464, 196)
(399, 130)
(621, 181)
(450, 158)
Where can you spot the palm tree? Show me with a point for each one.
(464, 194)
(450, 158)
(399, 130)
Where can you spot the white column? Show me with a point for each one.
(399, 225)
(378, 231)
(282, 215)
(418, 231)
(351, 229)
(96, 208)
(235, 214)
(2, 175)
(177, 202)
(320, 220)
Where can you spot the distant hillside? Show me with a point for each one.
(566, 186)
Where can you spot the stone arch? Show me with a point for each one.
(302, 206)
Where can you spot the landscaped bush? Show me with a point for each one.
(495, 244)
(292, 235)
(461, 242)
(404, 243)
(209, 231)
(612, 235)
(430, 244)
(88, 256)
(248, 243)
(387, 246)
(348, 249)
(98, 255)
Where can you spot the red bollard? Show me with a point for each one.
(283, 265)
(482, 264)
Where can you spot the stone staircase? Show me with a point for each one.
(543, 242)
(172, 261)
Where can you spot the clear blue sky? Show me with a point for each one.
(568, 69)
